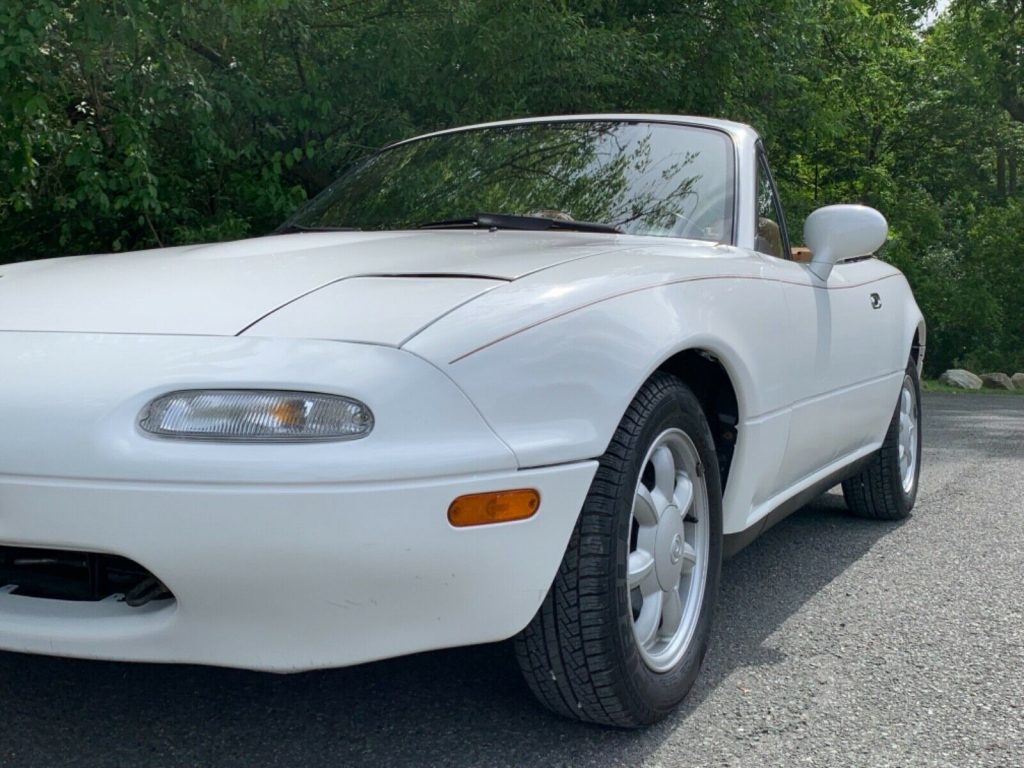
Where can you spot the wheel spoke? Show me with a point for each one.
(646, 625)
(689, 557)
(671, 612)
(641, 568)
(664, 472)
(645, 509)
(683, 497)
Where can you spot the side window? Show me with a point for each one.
(771, 227)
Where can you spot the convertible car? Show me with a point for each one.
(530, 379)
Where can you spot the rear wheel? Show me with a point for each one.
(621, 635)
(886, 488)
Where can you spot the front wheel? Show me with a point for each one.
(886, 488)
(621, 634)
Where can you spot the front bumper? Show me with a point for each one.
(287, 578)
(280, 557)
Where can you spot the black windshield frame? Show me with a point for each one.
(731, 161)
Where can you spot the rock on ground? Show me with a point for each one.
(1017, 380)
(958, 377)
(996, 381)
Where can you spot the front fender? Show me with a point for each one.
(556, 391)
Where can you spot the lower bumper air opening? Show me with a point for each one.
(56, 574)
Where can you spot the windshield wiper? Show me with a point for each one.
(518, 221)
(291, 228)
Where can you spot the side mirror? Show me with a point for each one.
(839, 232)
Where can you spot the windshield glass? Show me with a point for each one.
(642, 178)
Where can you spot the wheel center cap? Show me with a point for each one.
(669, 549)
(676, 552)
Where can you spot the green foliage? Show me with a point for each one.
(137, 123)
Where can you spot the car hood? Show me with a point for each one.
(224, 288)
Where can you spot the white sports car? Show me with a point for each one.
(527, 379)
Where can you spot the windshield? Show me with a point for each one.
(640, 178)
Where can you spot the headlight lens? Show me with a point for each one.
(256, 416)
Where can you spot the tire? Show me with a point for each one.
(886, 488)
(582, 654)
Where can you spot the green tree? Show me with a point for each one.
(136, 123)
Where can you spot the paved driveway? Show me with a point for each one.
(837, 642)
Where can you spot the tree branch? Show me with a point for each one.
(202, 49)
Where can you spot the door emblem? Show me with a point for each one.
(876, 301)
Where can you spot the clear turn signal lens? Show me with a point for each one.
(256, 416)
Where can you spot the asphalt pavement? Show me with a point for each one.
(838, 642)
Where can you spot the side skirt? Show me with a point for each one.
(734, 542)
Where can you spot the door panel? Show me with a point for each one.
(843, 362)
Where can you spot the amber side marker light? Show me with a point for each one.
(494, 507)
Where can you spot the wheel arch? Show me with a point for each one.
(918, 345)
(705, 372)
(914, 330)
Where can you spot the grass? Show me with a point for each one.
(933, 385)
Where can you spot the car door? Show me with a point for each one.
(838, 347)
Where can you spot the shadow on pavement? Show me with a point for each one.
(462, 707)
